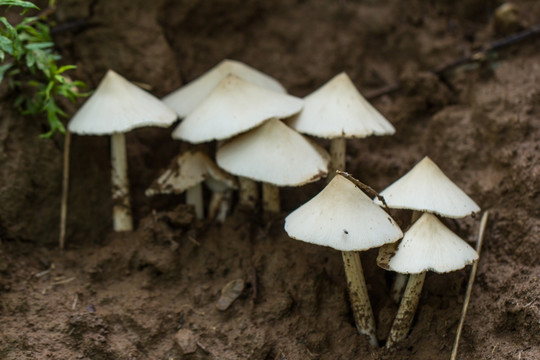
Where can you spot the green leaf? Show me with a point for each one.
(39, 45)
(3, 69)
(19, 3)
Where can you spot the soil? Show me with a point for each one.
(153, 293)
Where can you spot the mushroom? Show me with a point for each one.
(425, 188)
(235, 106)
(186, 99)
(337, 111)
(186, 173)
(427, 245)
(341, 216)
(276, 155)
(117, 106)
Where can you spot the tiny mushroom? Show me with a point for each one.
(235, 106)
(425, 188)
(117, 106)
(337, 111)
(186, 173)
(276, 155)
(427, 245)
(341, 216)
(186, 99)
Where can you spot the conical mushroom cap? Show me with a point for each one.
(118, 106)
(187, 170)
(343, 217)
(429, 245)
(233, 107)
(185, 99)
(426, 188)
(338, 110)
(275, 154)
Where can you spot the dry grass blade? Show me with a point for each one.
(479, 242)
(65, 187)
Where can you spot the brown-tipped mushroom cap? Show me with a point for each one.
(343, 217)
(233, 107)
(338, 110)
(429, 246)
(187, 170)
(274, 153)
(185, 99)
(118, 106)
(426, 188)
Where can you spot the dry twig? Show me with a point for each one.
(479, 242)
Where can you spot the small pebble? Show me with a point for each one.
(187, 340)
(230, 293)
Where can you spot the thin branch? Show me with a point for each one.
(65, 188)
(474, 57)
(479, 242)
(363, 186)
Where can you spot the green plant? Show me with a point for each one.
(28, 63)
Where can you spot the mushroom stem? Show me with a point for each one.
(397, 287)
(401, 279)
(363, 315)
(122, 220)
(248, 192)
(407, 309)
(224, 206)
(338, 148)
(270, 195)
(215, 203)
(194, 196)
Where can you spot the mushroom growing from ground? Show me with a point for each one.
(341, 216)
(425, 188)
(337, 111)
(427, 245)
(235, 106)
(117, 106)
(186, 173)
(189, 96)
(276, 155)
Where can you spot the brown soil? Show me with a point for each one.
(152, 294)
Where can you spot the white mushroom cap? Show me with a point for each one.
(275, 154)
(187, 170)
(338, 110)
(185, 99)
(233, 107)
(343, 217)
(118, 106)
(429, 245)
(426, 188)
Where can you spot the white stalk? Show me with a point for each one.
(248, 192)
(225, 206)
(122, 220)
(215, 203)
(399, 284)
(338, 148)
(407, 309)
(270, 195)
(363, 315)
(401, 279)
(194, 196)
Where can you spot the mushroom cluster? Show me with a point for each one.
(258, 131)
(428, 245)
